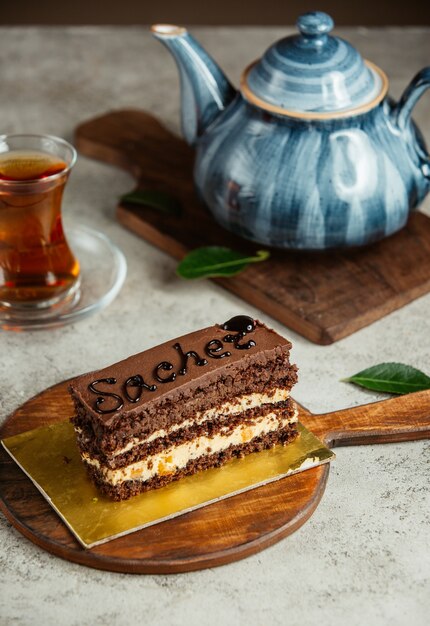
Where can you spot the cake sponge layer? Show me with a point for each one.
(128, 488)
(241, 409)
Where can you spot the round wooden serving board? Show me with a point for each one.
(220, 533)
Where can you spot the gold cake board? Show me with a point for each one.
(50, 458)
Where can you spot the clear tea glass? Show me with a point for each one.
(38, 271)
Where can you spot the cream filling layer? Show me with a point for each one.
(243, 403)
(177, 457)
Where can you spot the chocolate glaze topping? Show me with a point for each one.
(175, 366)
(102, 395)
(166, 366)
(240, 323)
(243, 325)
(185, 356)
(214, 349)
(136, 381)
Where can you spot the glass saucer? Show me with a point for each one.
(103, 271)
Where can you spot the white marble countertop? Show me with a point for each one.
(363, 557)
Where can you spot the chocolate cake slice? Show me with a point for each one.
(189, 404)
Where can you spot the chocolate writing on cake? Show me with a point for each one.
(132, 388)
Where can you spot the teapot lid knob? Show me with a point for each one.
(314, 24)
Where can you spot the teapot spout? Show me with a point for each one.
(205, 90)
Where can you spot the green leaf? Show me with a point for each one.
(153, 199)
(391, 378)
(212, 261)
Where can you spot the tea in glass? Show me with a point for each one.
(37, 267)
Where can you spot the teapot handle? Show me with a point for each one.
(413, 92)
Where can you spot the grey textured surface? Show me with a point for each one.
(363, 557)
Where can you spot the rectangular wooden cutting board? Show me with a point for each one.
(323, 296)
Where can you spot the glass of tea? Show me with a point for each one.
(38, 271)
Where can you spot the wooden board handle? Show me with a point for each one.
(403, 418)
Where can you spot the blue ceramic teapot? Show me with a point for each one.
(310, 153)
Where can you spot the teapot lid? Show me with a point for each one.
(314, 74)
